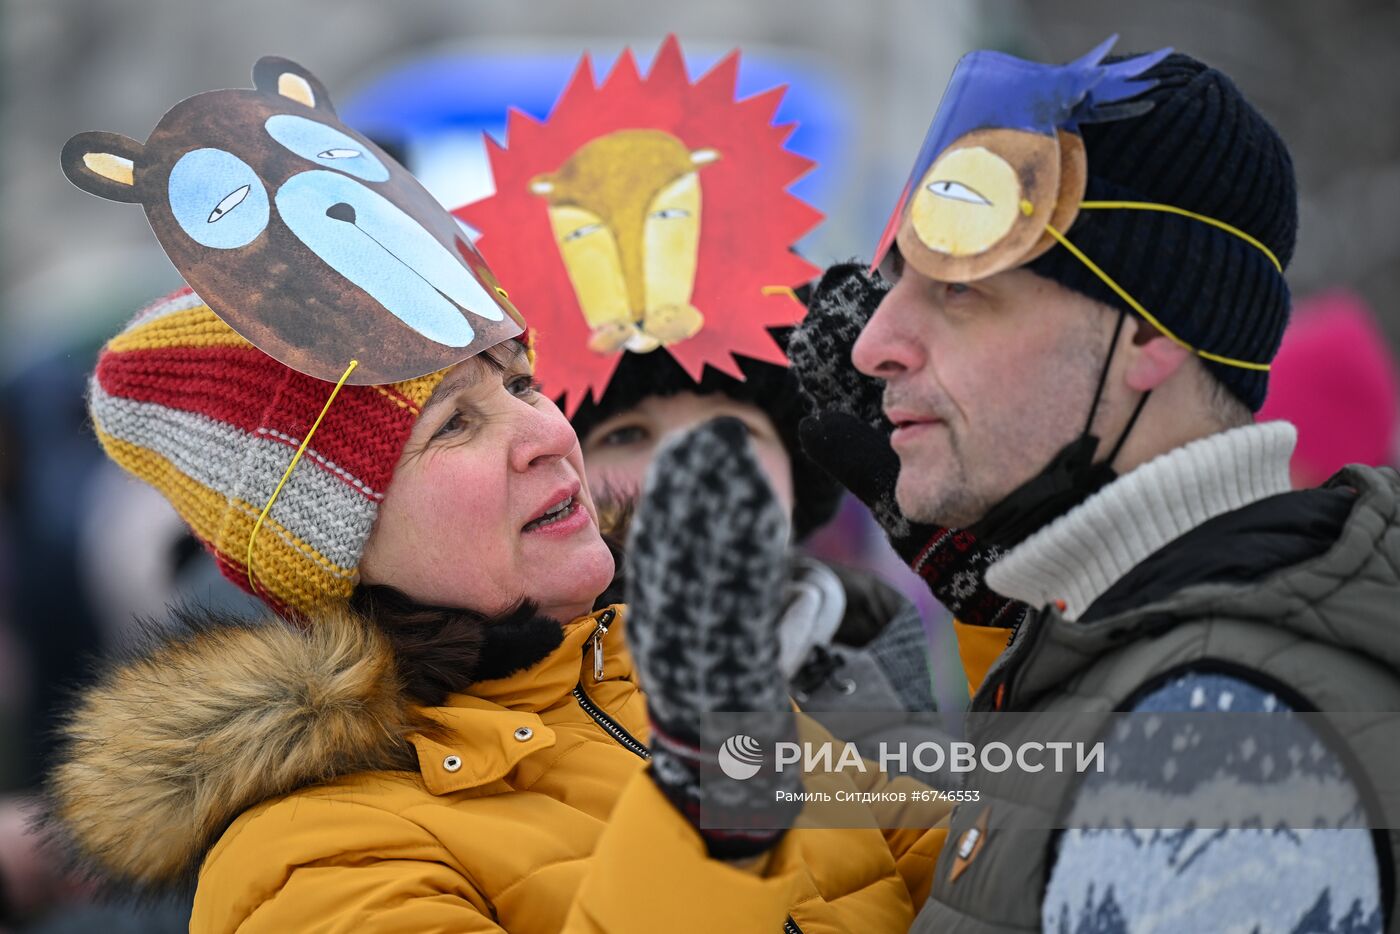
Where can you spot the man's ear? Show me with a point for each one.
(275, 75)
(103, 164)
(1153, 358)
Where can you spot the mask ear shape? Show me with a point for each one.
(104, 164)
(275, 75)
(1074, 175)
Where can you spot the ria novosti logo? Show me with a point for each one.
(740, 757)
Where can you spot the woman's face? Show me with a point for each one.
(619, 449)
(473, 517)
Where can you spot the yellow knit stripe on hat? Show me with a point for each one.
(226, 523)
(194, 327)
(415, 391)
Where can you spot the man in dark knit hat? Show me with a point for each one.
(1084, 290)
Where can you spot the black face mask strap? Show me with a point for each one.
(1103, 376)
(1113, 455)
(1070, 477)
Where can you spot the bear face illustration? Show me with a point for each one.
(301, 234)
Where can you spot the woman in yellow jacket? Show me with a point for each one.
(436, 729)
(374, 757)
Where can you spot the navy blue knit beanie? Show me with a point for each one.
(1204, 148)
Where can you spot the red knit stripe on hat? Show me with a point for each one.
(230, 384)
(362, 433)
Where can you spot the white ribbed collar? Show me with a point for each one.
(1083, 553)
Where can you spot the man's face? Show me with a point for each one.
(984, 382)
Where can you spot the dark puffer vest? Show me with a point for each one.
(1327, 628)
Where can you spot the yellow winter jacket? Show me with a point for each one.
(287, 766)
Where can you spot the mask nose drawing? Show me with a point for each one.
(625, 210)
(341, 211)
(397, 262)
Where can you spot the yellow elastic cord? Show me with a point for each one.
(1173, 209)
(1137, 306)
(781, 290)
(292, 466)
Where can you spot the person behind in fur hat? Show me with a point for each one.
(436, 728)
(643, 196)
(1084, 290)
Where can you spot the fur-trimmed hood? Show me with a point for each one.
(177, 739)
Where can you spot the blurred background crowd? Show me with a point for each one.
(86, 554)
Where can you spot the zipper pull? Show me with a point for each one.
(598, 635)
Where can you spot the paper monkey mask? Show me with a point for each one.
(301, 234)
(1003, 160)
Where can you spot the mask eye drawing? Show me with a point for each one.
(956, 191)
(231, 201)
(583, 231)
(667, 214)
(213, 185)
(324, 144)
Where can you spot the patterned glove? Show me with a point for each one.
(848, 435)
(706, 561)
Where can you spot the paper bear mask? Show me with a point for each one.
(301, 234)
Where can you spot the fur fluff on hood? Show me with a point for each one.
(176, 740)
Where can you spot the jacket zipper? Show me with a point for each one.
(604, 621)
(610, 726)
(790, 926)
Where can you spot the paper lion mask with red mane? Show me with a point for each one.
(647, 215)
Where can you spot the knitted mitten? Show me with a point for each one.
(706, 562)
(848, 435)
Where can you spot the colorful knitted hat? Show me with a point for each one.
(184, 403)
